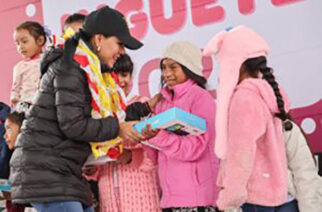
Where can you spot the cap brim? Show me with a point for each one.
(130, 42)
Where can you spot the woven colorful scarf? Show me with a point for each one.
(108, 98)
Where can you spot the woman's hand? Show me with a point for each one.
(125, 157)
(127, 132)
(148, 133)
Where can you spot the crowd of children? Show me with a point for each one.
(78, 91)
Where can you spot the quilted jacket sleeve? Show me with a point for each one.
(73, 109)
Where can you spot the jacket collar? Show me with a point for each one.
(177, 91)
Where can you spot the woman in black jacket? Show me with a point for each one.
(46, 166)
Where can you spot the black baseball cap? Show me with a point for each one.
(110, 22)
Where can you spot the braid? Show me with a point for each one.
(70, 49)
(269, 77)
(259, 63)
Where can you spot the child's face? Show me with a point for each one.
(12, 131)
(172, 73)
(125, 79)
(26, 44)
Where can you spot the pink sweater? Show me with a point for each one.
(132, 187)
(255, 167)
(187, 165)
(26, 77)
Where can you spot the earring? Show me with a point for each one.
(98, 48)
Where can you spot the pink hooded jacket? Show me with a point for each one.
(255, 168)
(249, 138)
(187, 165)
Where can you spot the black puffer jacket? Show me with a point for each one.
(53, 144)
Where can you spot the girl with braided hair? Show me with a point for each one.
(251, 110)
(253, 68)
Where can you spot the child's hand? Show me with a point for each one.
(148, 133)
(155, 99)
(125, 157)
(89, 170)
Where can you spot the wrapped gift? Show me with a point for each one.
(175, 120)
(103, 152)
(112, 148)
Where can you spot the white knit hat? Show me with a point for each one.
(186, 54)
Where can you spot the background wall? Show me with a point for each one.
(291, 27)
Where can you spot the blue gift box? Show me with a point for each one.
(175, 120)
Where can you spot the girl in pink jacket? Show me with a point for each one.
(187, 165)
(30, 38)
(249, 142)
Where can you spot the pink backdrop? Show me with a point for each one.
(290, 26)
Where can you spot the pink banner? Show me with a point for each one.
(290, 27)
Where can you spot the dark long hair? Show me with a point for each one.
(72, 43)
(199, 80)
(259, 64)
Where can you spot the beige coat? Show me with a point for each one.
(304, 182)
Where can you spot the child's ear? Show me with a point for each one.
(41, 40)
